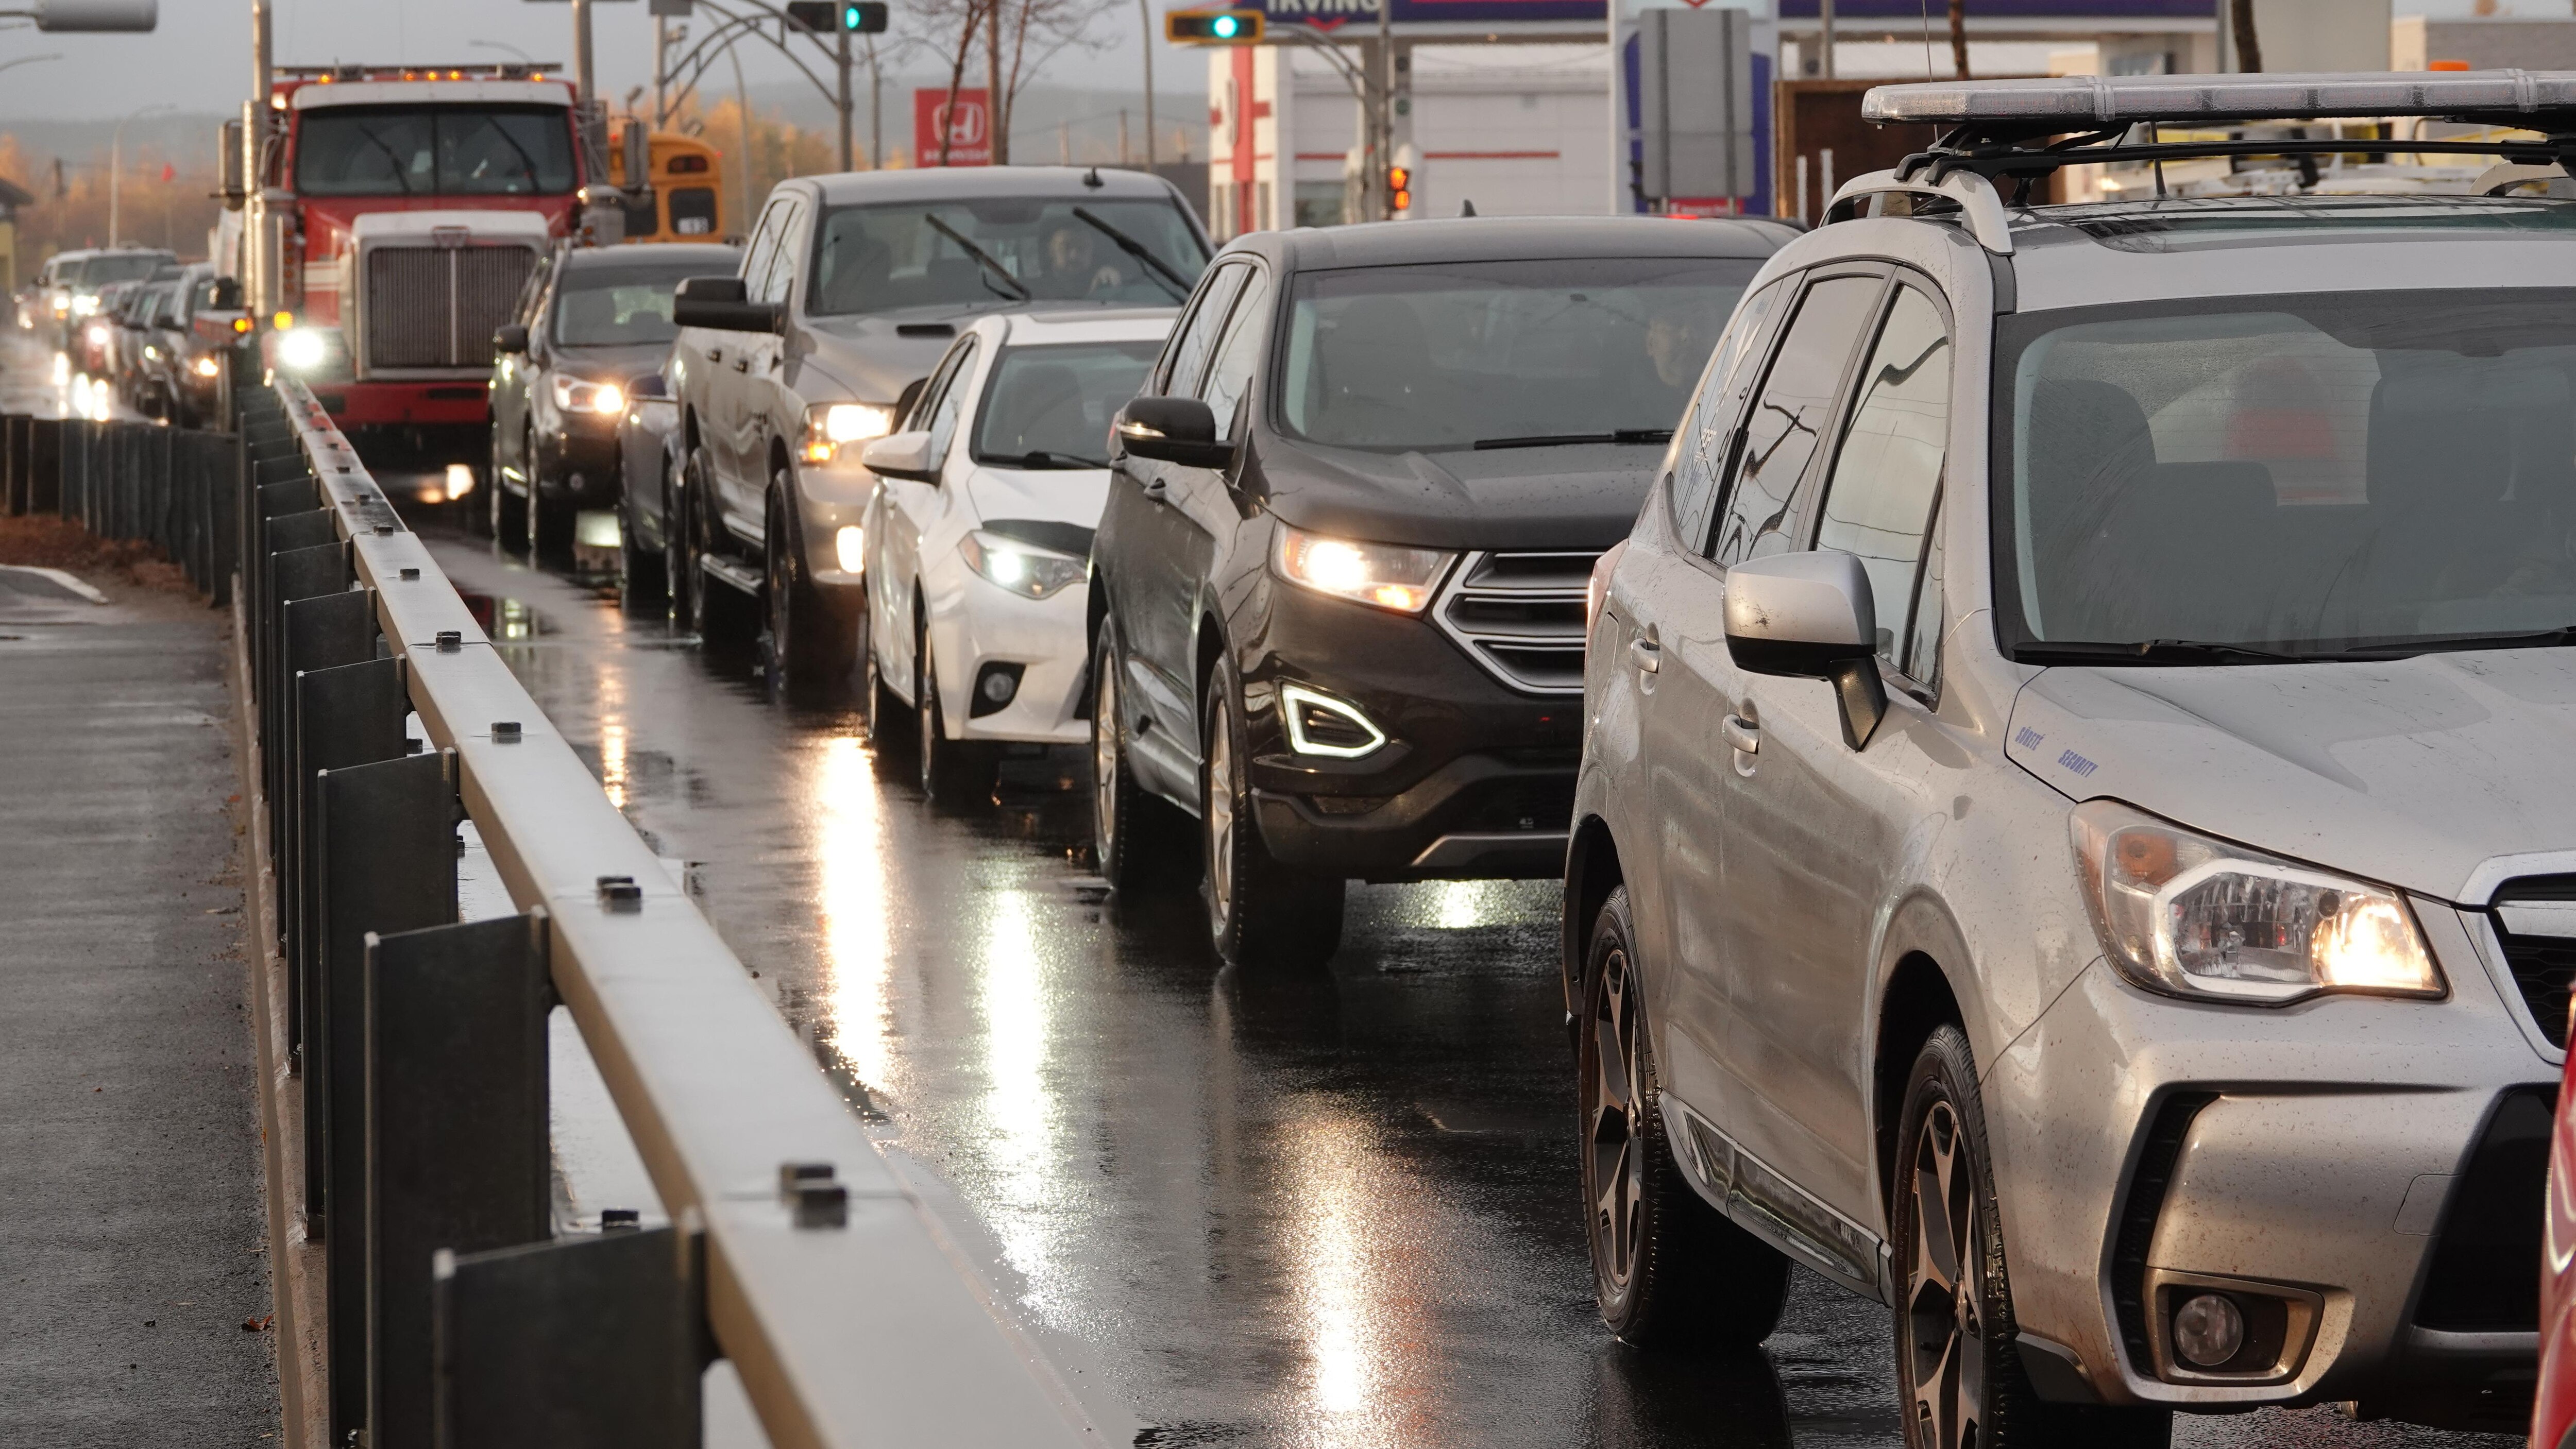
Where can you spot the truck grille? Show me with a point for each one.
(437, 307)
(2535, 920)
(1520, 615)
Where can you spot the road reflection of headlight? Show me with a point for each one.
(302, 349)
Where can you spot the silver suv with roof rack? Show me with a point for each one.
(2074, 832)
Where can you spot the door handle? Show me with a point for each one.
(742, 364)
(1646, 654)
(1155, 488)
(715, 354)
(1743, 734)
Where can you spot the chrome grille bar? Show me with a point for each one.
(1520, 616)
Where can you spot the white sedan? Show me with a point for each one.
(979, 535)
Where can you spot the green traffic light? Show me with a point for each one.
(1224, 27)
(850, 19)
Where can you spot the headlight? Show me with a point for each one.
(151, 352)
(576, 396)
(84, 305)
(2183, 913)
(829, 425)
(97, 334)
(303, 349)
(208, 367)
(1382, 574)
(1029, 572)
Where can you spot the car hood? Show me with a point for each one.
(621, 363)
(1072, 496)
(2411, 772)
(1576, 496)
(869, 359)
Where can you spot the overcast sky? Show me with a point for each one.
(199, 60)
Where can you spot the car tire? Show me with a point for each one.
(1668, 1270)
(1261, 914)
(1129, 829)
(881, 712)
(681, 577)
(643, 585)
(549, 519)
(953, 772)
(725, 619)
(509, 517)
(1959, 1375)
(806, 646)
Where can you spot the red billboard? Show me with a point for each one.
(966, 125)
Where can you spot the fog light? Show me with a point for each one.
(851, 543)
(2208, 1330)
(460, 479)
(1319, 724)
(996, 685)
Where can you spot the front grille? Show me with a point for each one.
(1520, 615)
(437, 307)
(2485, 1276)
(2542, 961)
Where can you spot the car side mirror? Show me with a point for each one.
(1810, 616)
(722, 304)
(170, 324)
(649, 385)
(227, 294)
(1171, 430)
(900, 455)
(509, 339)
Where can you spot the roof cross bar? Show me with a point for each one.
(1975, 199)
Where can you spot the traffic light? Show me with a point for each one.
(1213, 27)
(823, 17)
(1401, 178)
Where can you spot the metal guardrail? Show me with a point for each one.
(794, 1252)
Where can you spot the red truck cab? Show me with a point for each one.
(399, 215)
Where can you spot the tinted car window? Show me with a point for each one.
(1712, 431)
(1457, 354)
(952, 401)
(1879, 498)
(888, 257)
(122, 267)
(772, 286)
(615, 306)
(1787, 420)
(1051, 406)
(424, 150)
(1198, 332)
(1240, 346)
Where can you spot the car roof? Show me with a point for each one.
(942, 183)
(676, 253)
(1097, 324)
(1514, 238)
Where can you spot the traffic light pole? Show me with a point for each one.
(849, 162)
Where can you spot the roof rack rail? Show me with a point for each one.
(1974, 196)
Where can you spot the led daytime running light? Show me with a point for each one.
(1296, 699)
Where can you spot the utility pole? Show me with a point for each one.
(259, 52)
(849, 161)
(1384, 141)
(585, 82)
(1825, 29)
(661, 59)
(994, 108)
(1145, 12)
(876, 110)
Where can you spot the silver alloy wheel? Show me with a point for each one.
(1946, 1363)
(1616, 1162)
(1104, 762)
(1220, 826)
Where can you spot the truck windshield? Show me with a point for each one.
(2243, 480)
(121, 267)
(1458, 355)
(434, 151)
(956, 253)
(617, 306)
(1049, 407)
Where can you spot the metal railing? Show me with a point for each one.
(455, 1317)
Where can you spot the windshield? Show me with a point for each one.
(617, 306)
(434, 151)
(2297, 476)
(1049, 407)
(1465, 354)
(122, 267)
(956, 253)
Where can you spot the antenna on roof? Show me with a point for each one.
(1092, 179)
(1467, 207)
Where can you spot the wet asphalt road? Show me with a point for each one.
(1331, 1211)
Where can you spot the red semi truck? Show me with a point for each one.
(396, 216)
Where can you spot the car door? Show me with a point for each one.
(1138, 533)
(1817, 833)
(715, 384)
(1691, 764)
(1204, 512)
(892, 550)
(770, 409)
(510, 394)
(913, 507)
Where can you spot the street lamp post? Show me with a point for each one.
(116, 171)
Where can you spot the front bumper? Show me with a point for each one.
(829, 499)
(975, 623)
(464, 401)
(1475, 780)
(578, 463)
(2335, 1167)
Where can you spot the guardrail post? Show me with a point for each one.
(459, 1154)
(297, 569)
(45, 465)
(16, 464)
(592, 1342)
(320, 636)
(223, 535)
(386, 838)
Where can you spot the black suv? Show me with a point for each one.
(1337, 596)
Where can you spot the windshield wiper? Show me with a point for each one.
(982, 256)
(1172, 281)
(1552, 440)
(2160, 651)
(1041, 458)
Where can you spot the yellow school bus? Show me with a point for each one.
(685, 177)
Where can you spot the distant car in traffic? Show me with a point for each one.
(853, 286)
(72, 281)
(593, 320)
(979, 535)
(2073, 839)
(1337, 596)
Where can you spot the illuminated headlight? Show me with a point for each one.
(1033, 573)
(2183, 913)
(151, 352)
(208, 367)
(62, 305)
(97, 334)
(1319, 724)
(460, 479)
(830, 425)
(850, 544)
(84, 305)
(1386, 575)
(303, 349)
(576, 396)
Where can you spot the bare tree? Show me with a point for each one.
(1959, 37)
(1017, 38)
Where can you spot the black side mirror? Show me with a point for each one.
(720, 303)
(649, 385)
(227, 295)
(508, 339)
(1171, 430)
(911, 394)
